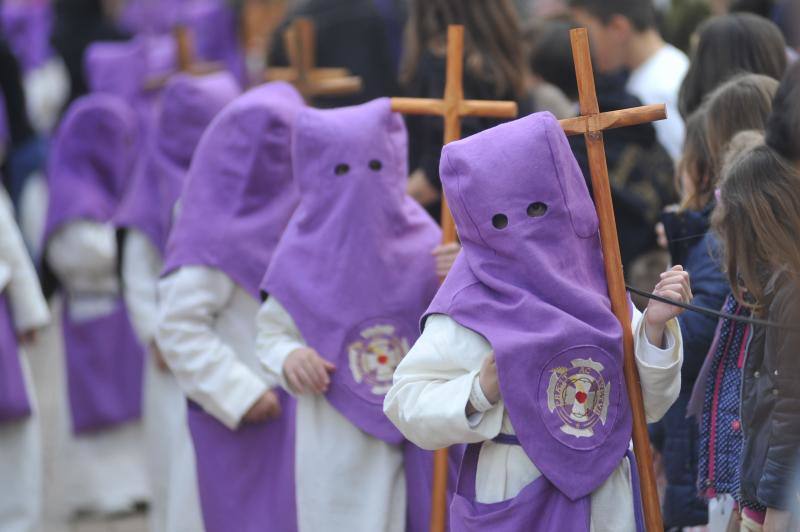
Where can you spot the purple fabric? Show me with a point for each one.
(214, 26)
(354, 268)
(239, 193)
(87, 176)
(539, 507)
(118, 68)
(187, 106)
(150, 16)
(91, 161)
(530, 280)
(246, 477)
(26, 25)
(104, 363)
(14, 402)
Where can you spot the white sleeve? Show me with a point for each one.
(432, 385)
(277, 337)
(141, 267)
(207, 368)
(28, 306)
(82, 249)
(659, 369)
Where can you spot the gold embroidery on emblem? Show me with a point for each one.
(374, 357)
(579, 396)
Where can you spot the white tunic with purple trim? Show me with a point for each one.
(438, 377)
(346, 480)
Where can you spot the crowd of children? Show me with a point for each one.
(244, 282)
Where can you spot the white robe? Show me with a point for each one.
(20, 441)
(175, 505)
(206, 331)
(105, 471)
(432, 386)
(345, 479)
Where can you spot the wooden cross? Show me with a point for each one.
(591, 124)
(310, 81)
(452, 108)
(184, 44)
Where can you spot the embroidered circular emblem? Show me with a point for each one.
(581, 388)
(374, 350)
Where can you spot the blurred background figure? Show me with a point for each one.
(363, 36)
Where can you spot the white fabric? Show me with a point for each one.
(104, 471)
(345, 479)
(206, 332)
(175, 505)
(20, 441)
(658, 80)
(47, 90)
(33, 212)
(83, 255)
(25, 298)
(432, 386)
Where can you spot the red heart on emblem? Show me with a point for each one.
(581, 397)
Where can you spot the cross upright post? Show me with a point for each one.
(452, 108)
(186, 60)
(591, 124)
(310, 81)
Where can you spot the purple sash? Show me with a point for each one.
(104, 370)
(539, 507)
(246, 476)
(14, 403)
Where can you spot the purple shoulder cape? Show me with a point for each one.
(530, 279)
(354, 268)
(187, 106)
(91, 161)
(239, 193)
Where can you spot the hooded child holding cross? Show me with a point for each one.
(520, 355)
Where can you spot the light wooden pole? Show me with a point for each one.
(452, 108)
(184, 45)
(310, 81)
(591, 124)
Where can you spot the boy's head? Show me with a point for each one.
(612, 24)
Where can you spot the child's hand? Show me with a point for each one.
(27, 337)
(307, 372)
(487, 378)
(675, 285)
(265, 408)
(445, 256)
(158, 357)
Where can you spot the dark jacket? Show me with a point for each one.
(771, 403)
(675, 436)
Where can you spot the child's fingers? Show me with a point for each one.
(330, 368)
(316, 377)
(679, 289)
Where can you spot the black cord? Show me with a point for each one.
(711, 313)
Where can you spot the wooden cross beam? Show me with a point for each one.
(591, 124)
(184, 44)
(310, 81)
(452, 108)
